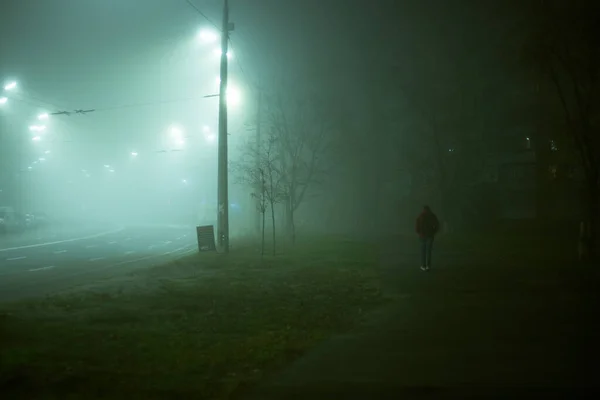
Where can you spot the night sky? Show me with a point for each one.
(142, 67)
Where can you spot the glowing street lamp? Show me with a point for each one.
(10, 86)
(43, 116)
(218, 52)
(208, 36)
(134, 153)
(177, 135)
(184, 181)
(210, 137)
(233, 96)
(37, 128)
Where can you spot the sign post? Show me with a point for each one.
(206, 238)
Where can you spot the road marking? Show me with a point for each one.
(89, 246)
(60, 251)
(30, 246)
(153, 256)
(113, 242)
(186, 250)
(97, 259)
(41, 269)
(16, 258)
(129, 252)
(168, 242)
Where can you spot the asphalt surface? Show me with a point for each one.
(49, 261)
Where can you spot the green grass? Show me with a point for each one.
(200, 327)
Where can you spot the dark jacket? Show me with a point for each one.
(427, 225)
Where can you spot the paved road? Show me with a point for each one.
(53, 261)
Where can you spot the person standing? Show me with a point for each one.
(427, 226)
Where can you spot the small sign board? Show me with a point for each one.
(206, 238)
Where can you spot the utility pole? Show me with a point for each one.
(257, 220)
(223, 181)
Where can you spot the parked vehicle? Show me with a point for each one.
(9, 221)
(40, 219)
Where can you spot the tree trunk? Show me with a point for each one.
(262, 245)
(594, 220)
(292, 226)
(289, 220)
(273, 222)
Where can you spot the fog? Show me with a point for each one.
(411, 101)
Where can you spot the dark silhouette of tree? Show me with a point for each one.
(564, 47)
(259, 168)
(301, 123)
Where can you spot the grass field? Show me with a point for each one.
(201, 327)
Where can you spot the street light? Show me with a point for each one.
(177, 135)
(218, 52)
(3, 100)
(10, 86)
(43, 116)
(37, 128)
(134, 153)
(210, 137)
(233, 96)
(208, 36)
(184, 181)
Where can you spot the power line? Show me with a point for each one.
(238, 62)
(135, 105)
(201, 13)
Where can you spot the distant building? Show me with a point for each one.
(535, 180)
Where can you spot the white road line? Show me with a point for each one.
(60, 251)
(97, 259)
(113, 242)
(89, 246)
(62, 241)
(186, 250)
(153, 256)
(16, 258)
(168, 242)
(41, 269)
(129, 252)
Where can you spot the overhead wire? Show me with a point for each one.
(202, 14)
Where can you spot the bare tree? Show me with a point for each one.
(259, 169)
(565, 48)
(301, 122)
